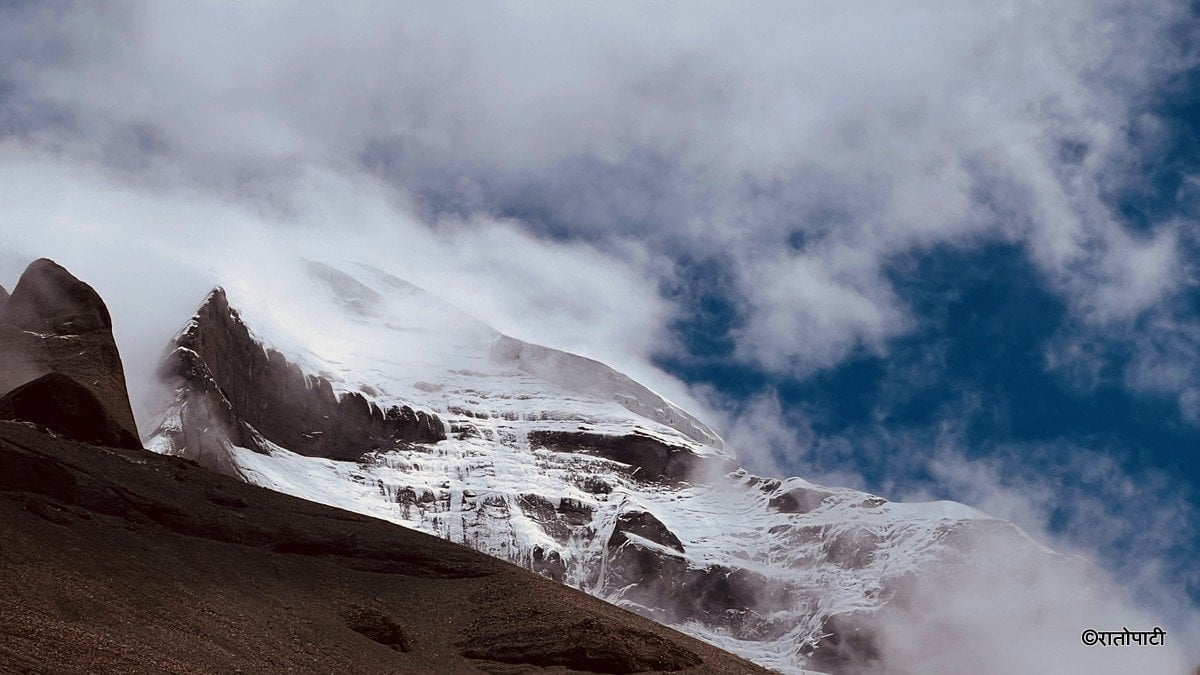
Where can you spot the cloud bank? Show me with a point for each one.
(802, 146)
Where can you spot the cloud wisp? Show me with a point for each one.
(801, 144)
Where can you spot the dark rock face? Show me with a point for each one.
(798, 500)
(650, 458)
(55, 323)
(713, 594)
(3, 299)
(377, 626)
(549, 565)
(257, 393)
(48, 299)
(64, 406)
(643, 525)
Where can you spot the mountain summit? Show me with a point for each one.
(406, 409)
(58, 351)
(115, 559)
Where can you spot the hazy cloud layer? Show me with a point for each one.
(154, 255)
(1006, 610)
(801, 143)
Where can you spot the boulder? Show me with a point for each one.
(68, 408)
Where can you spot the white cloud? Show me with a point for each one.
(1131, 526)
(1004, 609)
(1126, 534)
(154, 254)
(698, 128)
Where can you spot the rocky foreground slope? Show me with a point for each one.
(374, 396)
(114, 559)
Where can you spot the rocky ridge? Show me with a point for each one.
(120, 560)
(561, 465)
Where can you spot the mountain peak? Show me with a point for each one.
(53, 323)
(49, 299)
(550, 460)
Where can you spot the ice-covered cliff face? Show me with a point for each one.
(396, 405)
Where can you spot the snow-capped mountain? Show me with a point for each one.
(370, 394)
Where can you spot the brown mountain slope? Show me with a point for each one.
(118, 560)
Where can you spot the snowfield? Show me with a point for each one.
(757, 566)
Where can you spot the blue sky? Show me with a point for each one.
(935, 250)
(980, 363)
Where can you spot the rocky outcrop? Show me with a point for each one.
(66, 407)
(255, 393)
(48, 299)
(848, 644)
(53, 323)
(649, 459)
(665, 585)
(644, 525)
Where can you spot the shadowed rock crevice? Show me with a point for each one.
(248, 385)
(376, 626)
(649, 458)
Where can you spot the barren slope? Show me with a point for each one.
(124, 561)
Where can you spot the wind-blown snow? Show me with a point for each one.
(833, 552)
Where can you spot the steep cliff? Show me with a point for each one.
(552, 461)
(252, 394)
(54, 324)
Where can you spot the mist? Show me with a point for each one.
(154, 255)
